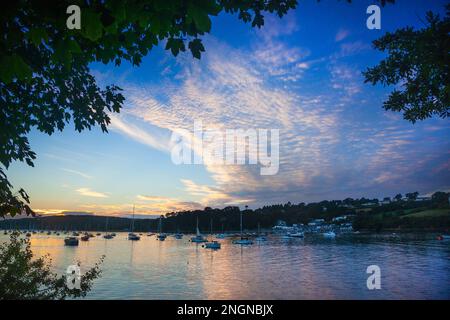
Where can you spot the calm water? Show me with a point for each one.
(312, 268)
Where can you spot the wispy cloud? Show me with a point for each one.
(79, 173)
(341, 35)
(154, 139)
(326, 145)
(90, 193)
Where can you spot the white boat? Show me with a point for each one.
(443, 237)
(329, 234)
(198, 237)
(243, 240)
(132, 236)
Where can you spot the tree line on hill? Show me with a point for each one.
(366, 213)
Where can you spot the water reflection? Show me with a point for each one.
(310, 268)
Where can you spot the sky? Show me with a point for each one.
(300, 75)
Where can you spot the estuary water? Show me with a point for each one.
(310, 268)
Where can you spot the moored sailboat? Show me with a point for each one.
(198, 238)
(107, 235)
(243, 240)
(212, 244)
(161, 236)
(132, 236)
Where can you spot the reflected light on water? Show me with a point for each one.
(310, 268)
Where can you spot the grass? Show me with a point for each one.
(428, 213)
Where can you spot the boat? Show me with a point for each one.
(75, 234)
(161, 236)
(296, 235)
(260, 237)
(198, 237)
(221, 236)
(107, 235)
(71, 241)
(212, 245)
(85, 237)
(178, 236)
(329, 234)
(443, 237)
(215, 245)
(243, 240)
(132, 236)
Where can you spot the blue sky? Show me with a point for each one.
(300, 74)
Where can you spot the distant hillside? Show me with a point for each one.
(369, 214)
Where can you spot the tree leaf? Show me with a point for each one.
(91, 25)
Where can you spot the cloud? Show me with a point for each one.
(352, 48)
(90, 193)
(79, 173)
(341, 35)
(151, 138)
(152, 198)
(327, 146)
(345, 79)
(142, 209)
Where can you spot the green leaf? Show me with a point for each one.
(14, 67)
(118, 9)
(91, 25)
(199, 17)
(175, 45)
(61, 54)
(73, 46)
(196, 48)
(37, 35)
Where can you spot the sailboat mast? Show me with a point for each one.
(241, 224)
(132, 221)
(198, 231)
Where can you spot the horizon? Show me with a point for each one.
(336, 141)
